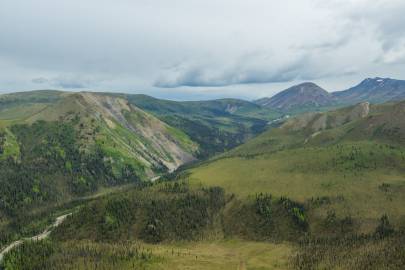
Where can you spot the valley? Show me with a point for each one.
(299, 182)
(202, 135)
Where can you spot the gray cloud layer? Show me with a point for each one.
(187, 49)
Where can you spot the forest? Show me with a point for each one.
(49, 168)
(116, 231)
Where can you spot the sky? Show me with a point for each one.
(198, 49)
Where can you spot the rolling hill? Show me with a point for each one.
(350, 161)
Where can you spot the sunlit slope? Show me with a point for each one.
(15, 107)
(219, 255)
(352, 160)
(124, 132)
(80, 142)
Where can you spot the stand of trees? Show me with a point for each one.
(51, 165)
(56, 255)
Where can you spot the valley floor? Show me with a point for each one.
(231, 254)
(218, 255)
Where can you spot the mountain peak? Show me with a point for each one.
(306, 84)
(375, 80)
(297, 97)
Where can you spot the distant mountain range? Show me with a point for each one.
(373, 90)
(311, 97)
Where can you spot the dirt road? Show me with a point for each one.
(38, 237)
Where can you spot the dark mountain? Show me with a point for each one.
(374, 90)
(299, 98)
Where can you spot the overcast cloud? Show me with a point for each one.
(192, 49)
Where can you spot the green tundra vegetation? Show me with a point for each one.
(342, 161)
(229, 254)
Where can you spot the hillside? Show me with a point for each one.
(299, 98)
(116, 126)
(349, 160)
(55, 147)
(61, 146)
(123, 130)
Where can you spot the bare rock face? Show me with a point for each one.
(361, 110)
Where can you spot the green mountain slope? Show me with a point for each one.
(58, 146)
(124, 131)
(350, 161)
(74, 145)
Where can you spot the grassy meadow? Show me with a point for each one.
(220, 255)
(348, 163)
(361, 180)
